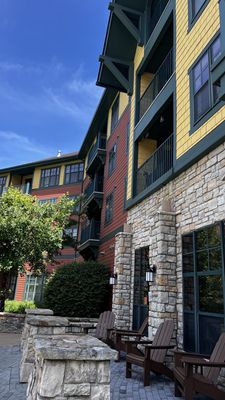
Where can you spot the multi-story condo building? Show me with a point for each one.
(47, 180)
(104, 151)
(169, 57)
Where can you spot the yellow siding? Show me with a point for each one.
(137, 60)
(146, 78)
(145, 148)
(189, 46)
(123, 103)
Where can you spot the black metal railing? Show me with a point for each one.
(160, 162)
(162, 75)
(96, 185)
(91, 231)
(156, 14)
(100, 144)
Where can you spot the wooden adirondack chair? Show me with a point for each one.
(155, 353)
(106, 321)
(195, 373)
(117, 336)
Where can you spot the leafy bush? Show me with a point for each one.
(78, 289)
(14, 306)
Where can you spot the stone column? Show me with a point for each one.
(122, 289)
(70, 367)
(163, 291)
(29, 312)
(38, 325)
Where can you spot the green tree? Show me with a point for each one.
(31, 232)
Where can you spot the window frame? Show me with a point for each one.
(115, 111)
(197, 273)
(76, 172)
(192, 19)
(58, 168)
(112, 161)
(29, 277)
(109, 212)
(213, 106)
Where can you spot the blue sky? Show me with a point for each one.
(49, 53)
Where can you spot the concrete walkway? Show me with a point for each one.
(121, 388)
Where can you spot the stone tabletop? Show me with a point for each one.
(38, 311)
(70, 347)
(47, 320)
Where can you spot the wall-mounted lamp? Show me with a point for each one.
(113, 279)
(149, 276)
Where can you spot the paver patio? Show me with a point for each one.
(121, 388)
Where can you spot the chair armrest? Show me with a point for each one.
(136, 342)
(149, 348)
(202, 362)
(178, 355)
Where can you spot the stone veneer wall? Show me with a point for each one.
(11, 323)
(196, 198)
(122, 289)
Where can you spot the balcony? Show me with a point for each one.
(156, 166)
(156, 13)
(97, 155)
(90, 240)
(161, 77)
(93, 194)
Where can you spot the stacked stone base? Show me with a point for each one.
(70, 367)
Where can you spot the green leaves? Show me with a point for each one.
(28, 228)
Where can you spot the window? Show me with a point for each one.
(109, 208)
(2, 183)
(49, 177)
(203, 286)
(115, 114)
(196, 6)
(74, 173)
(112, 159)
(206, 93)
(50, 200)
(34, 287)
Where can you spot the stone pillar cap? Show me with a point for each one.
(47, 320)
(73, 347)
(38, 311)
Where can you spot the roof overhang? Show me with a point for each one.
(124, 32)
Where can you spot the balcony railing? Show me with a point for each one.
(156, 14)
(90, 232)
(160, 162)
(100, 144)
(96, 185)
(162, 75)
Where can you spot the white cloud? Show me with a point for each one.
(13, 142)
(7, 66)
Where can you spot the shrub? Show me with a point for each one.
(14, 306)
(78, 289)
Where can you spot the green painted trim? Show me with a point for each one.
(88, 243)
(109, 64)
(112, 234)
(193, 19)
(93, 196)
(118, 11)
(157, 33)
(154, 108)
(150, 190)
(98, 158)
(195, 125)
(98, 120)
(194, 154)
